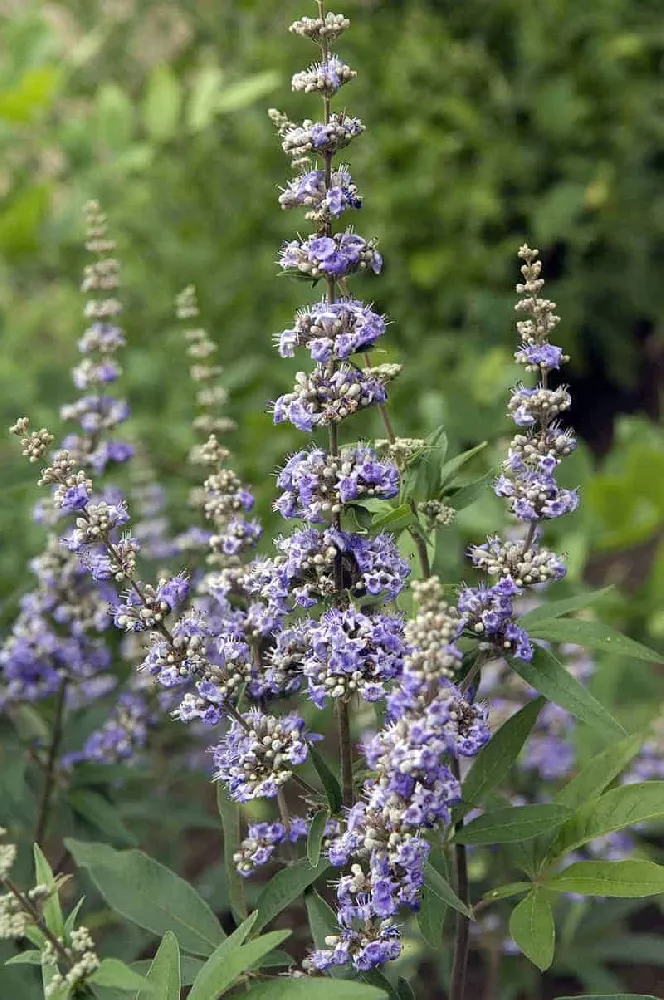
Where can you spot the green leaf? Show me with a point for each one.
(593, 635)
(505, 826)
(329, 781)
(115, 117)
(615, 810)
(230, 823)
(162, 105)
(316, 834)
(505, 891)
(600, 772)
(101, 815)
(163, 975)
(396, 520)
(246, 92)
(450, 469)
(494, 761)
(556, 609)
(322, 920)
(114, 973)
(286, 988)
(548, 676)
(204, 97)
(189, 969)
(223, 968)
(431, 916)
(52, 910)
(150, 895)
(24, 958)
(440, 887)
(422, 478)
(405, 990)
(611, 996)
(533, 929)
(285, 887)
(624, 879)
(463, 496)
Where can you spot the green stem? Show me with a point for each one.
(43, 814)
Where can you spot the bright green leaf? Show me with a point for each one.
(533, 929)
(396, 520)
(204, 97)
(244, 93)
(115, 117)
(505, 826)
(286, 886)
(223, 968)
(163, 975)
(615, 810)
(52, 910)
(600, 772)
(505, 891)
(150, 895)
(494, 761)
(624, 879)
(450, 469)
(550, 678)
(162, 105)
(25, 958)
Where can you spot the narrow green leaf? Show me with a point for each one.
(533, 929)
(556, 609)
(150, 895)
(378, 979)
(285, 887)
(52, 910)
(223, 968)
(396, 520)
(600, 772)
(463, 496)
(625, 879)
(276, 959)
(593, 635)
(615, 810)
(505, 826)
(162, 105)
(494, 761)
(405, 990)
(245, 92)
(505, 891)
(450, 469)
(322, 920)
(163, 975)
(189, 969)
(286, 988)
(230, 823)
(114, 973)
(101, 815)
(315, 838)
(548, 676)
(440, 887)
(329, 781)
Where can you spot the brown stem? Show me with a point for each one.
(346, 752)
(43, 814)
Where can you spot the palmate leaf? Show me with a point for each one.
(515, 823)
(550, 678)
(286, 886)
(615, 810)
(494, 761)
(621, 879)
(533, 929)
(599, 773)
(150, 895)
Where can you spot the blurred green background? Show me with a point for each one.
(489, 122)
